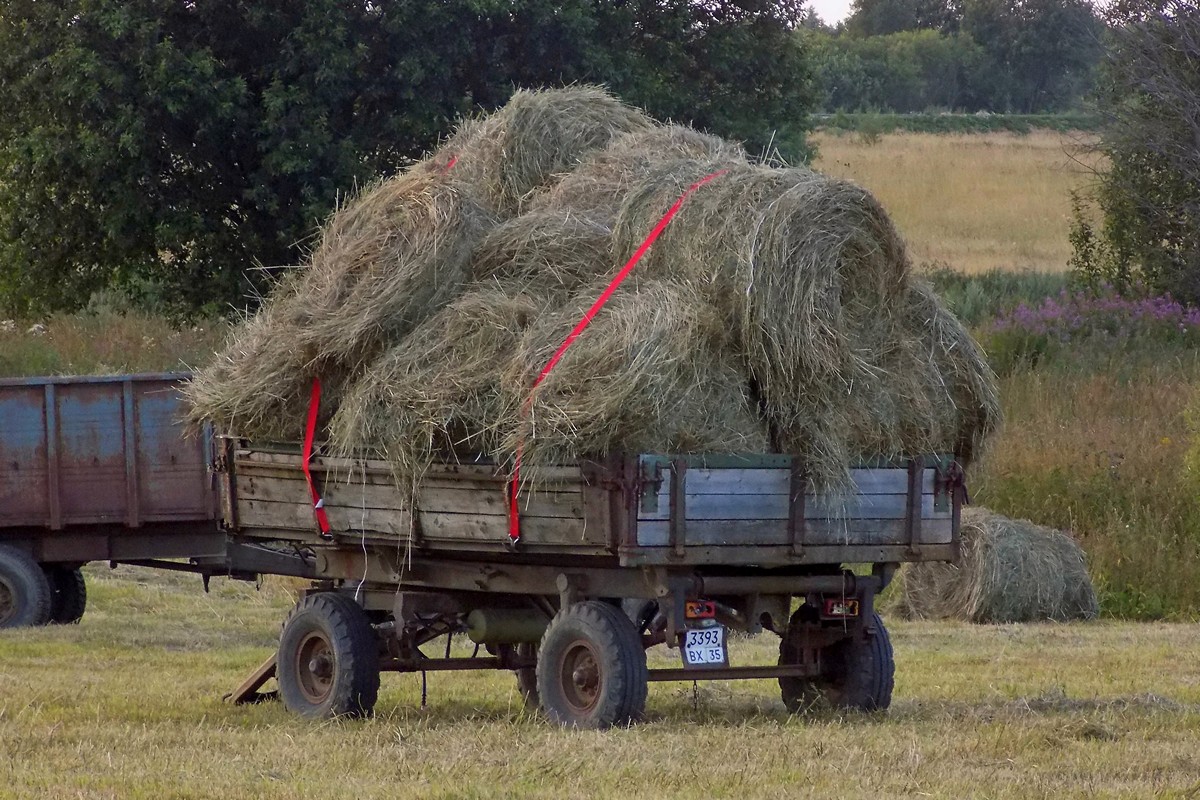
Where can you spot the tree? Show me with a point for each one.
(883, 17)
(165, 148)
(1150, 196)
(1043, 52)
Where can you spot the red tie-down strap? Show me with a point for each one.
(514, 512)
(310, 433)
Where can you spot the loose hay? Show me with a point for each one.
(533, 140)
(384, 262)
(1010, 571)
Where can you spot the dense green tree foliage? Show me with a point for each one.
(992, 55)
(1149, 197)
(167, 148)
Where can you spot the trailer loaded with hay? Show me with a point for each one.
(581, 383)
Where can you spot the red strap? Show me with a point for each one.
(310, 432)
(514, 514)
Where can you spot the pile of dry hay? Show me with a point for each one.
(1010, 571)
(777, 313)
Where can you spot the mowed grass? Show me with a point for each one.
(974, 202)
(128, 705)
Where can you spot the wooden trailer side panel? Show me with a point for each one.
(461, 506)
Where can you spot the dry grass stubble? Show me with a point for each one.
(127, 705)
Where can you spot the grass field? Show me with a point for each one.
(971, 201)
(127, 705)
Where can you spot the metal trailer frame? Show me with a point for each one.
(416, 577)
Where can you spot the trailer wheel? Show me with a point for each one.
(527, 677)
(24, 590)
(855, 674)
(328, 664)
(591, 667)
(68, 594)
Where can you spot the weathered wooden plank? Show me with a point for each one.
(775, 507)
(349, 466)
(453, 499)
(434, 526)
(300, 517)
(731, 533)
(534, 530)
(765, 482)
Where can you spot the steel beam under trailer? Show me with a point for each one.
(248, 692)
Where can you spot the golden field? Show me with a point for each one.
(971, 201)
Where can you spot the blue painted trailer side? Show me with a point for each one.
(101, 456)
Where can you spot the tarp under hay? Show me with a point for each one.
(1011, 571)
(776, 312)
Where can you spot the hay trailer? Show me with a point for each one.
(96, 469)
(615, 556)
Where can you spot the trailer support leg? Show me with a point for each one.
(248, 691)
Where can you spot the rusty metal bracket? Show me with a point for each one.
(797, 488)
(677, 526)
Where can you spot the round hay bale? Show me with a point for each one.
(533, 139)
(815, 278)
(383, 263)
(259, 381)
(1010, 571)
(547, 253)
(598, 186)
(655, 372)
(437, 393)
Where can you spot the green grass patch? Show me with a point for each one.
(977, 298)
(877, 124)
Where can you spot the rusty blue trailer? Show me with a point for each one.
(96, 469)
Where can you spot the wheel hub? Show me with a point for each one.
(581, 679)
(315, 667)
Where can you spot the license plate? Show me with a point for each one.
(705, 647)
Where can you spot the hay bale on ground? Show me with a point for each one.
(1010, 571)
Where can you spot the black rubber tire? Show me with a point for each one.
(591, 667)
(68, 594)
(328, 661)
(856, 674)
(24, 590)
(527, 677)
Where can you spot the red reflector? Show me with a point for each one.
(841, 608)
(700, 609)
